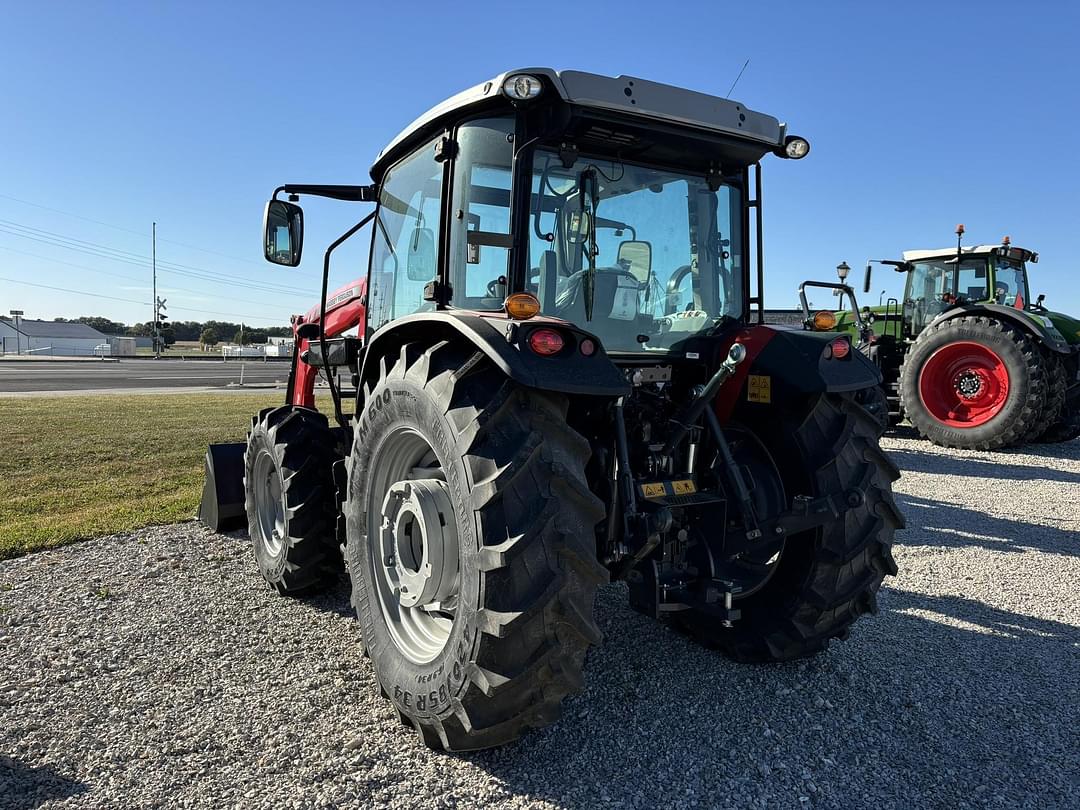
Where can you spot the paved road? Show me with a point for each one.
(126, 375)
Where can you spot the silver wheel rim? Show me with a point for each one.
(413, 543)
(269, 503)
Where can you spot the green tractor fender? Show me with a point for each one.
(1038, 326)
(1066, 325)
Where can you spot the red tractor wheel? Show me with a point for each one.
(964, 385)
(974, 382)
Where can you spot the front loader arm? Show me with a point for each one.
(346, 308)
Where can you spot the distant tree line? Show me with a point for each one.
(209, 333)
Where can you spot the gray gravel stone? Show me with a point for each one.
(155, 670)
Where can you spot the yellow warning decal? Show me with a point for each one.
(759, 388)
(653, 490)
(683, 487)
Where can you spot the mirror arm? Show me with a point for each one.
(346, 193)
(334, 393)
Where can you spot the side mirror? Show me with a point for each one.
(420, 265)
(283, 233)
(636, 258)
(866, 278)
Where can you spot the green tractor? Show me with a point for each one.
(966, 357)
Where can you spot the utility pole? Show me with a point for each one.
(154, 331)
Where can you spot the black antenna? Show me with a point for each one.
(747, 62)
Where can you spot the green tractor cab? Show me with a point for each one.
(968, 356)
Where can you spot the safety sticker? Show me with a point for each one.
(653, 490)
(683, 487)
(759, 388)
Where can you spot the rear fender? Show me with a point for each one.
(787, 364)
(504, 343)
(1037, 326)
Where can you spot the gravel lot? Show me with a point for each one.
(154, 670)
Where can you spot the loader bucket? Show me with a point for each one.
(222, 506)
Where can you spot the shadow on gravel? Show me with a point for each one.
(23, 787)
(947, 525)
(936, 702)
(942, 464)
(334, 600)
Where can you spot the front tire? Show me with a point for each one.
(974, 383)
(824, 580)
(290, 501)
(512, 548)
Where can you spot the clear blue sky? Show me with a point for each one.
(920, 116)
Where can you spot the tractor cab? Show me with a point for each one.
(938, 280)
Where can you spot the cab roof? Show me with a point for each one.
(950, 252)
(628, 95)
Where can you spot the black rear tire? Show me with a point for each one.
(875, 402)
(525, 535)
(1024, 364)
(1065, 429)
(826, 579)
(289, 458)
(1060, 419)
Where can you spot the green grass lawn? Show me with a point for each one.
(77, 467)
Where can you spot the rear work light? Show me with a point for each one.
(546, 342)
(837, 349)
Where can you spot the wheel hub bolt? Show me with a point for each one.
(968, 384)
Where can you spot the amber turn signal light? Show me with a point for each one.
(824, 321)
(521, 306)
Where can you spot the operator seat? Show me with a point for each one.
(615, 303)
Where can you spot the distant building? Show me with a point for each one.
(278, 347)
(787, 317)
(122, 346)
(59, 339)
(229, 350)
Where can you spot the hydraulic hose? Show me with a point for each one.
(689, 416)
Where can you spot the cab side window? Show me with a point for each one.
(404, 256)
(480, 221)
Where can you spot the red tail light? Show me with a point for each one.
(838, 349)
(546, 342)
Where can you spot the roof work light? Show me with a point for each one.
(521, 87)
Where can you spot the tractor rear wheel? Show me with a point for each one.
(975, 383)
(825, 579)
(1066, 428)
(290, 499)
(471, 547)
(875, 401)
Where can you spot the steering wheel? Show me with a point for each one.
(493, 286)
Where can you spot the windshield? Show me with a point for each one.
(936, 285)
(642, 257)
(1010, 281)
